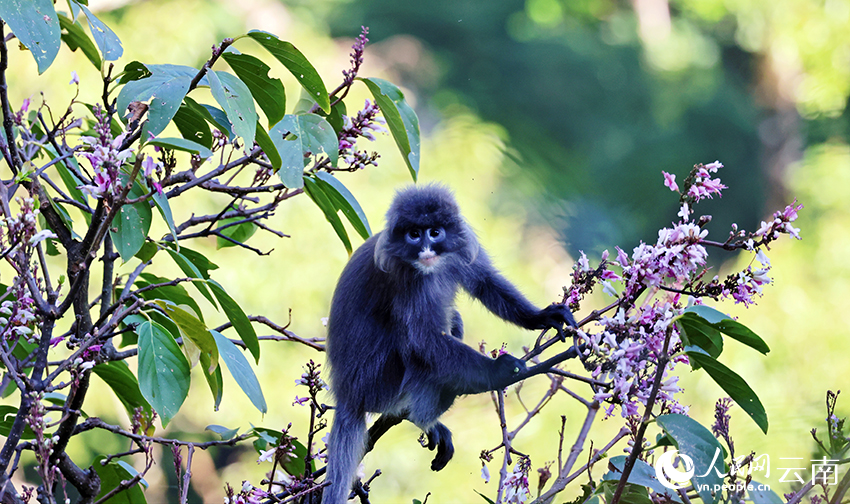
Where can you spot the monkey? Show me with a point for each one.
(394, 342)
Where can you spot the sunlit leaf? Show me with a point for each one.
(35, 24)
(241, 371)
(297, 64)
(401, 120)
(163, 370)
(235, 98)
(106, 40)
(267, 91)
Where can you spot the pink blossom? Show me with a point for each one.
(670, 181)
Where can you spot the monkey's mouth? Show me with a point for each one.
(428, 260)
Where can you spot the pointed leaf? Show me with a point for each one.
(297, 64)
(315, 192)
(222, 431)
(176, 294)
(111, 475)
(193, 329)
(401, 120)
(696, 331)
(165, 88)
(235, 98)
(131, 225)
(214, 379)
(163, 370)
(732, 328)
(732, 384)
(189, 269)
(35, 24)
(267, 92)
(106, 40)
(201, 263)
(76, 38)
(698, 443)
(123, 382)
(239, 232)
(265, 142)
(295, 136)
(241, 371)
(345, 201)
(182, 144)
(161, 202)
(238, 318)
(192, 126)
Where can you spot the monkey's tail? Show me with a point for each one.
(346, 444)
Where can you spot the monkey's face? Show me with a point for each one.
(426, 247)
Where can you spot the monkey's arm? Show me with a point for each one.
(486, 284)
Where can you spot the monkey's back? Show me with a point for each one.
(364, 351)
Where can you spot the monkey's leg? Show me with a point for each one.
(440, 437)
(380, 427)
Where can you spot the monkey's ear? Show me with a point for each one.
(381, 256)
(472, 245)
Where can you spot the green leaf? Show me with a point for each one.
(335, 117)
(725, 324)
(488, 499)
(315, 192)
(345, 201)
(192, 125)
(762, 494)
(238, 318)
(235, 98)
(401, 120)
(163, 370)
(190, 270)
(174, 293)
(214, 379)
(131, 225)
(642, 474)
(241, 371)
(297, 64)
(297, 135)
(696, 331)
(632, 494)
(222, 431)
(7, 418)
(698, 443)
(267, 92)
(111, 475)
(161, 202)
(732, 384)
(133, 71)
(265, 142)
(182, 144)
(198, 260)
(122, 381)
(239, 232)
(35, 24)
(75, 38)
(194, 330)
(165, 88)
(106, 40)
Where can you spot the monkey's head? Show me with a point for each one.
(424, 230)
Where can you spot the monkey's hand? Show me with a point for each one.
(440, 437)
(555, 316)
(507, 368)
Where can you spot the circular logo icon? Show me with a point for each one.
(671, 477)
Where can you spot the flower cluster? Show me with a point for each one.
(624, 353)
(313, 381)
(44, 441)
(106, 158)
(516, 484)
(17, 316)
(357, 51)
(363, 125)
(248, 494)
(699, 185)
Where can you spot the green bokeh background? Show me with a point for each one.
(551, 120)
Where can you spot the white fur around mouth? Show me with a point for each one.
(428, 261)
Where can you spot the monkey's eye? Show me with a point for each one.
(436, 235)
(413, 236)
